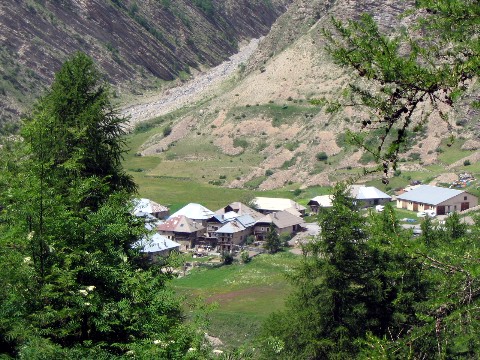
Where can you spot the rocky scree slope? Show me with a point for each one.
(136, 43)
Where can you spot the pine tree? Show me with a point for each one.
(74, 286)
(272, 242)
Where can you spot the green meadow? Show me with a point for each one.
(243, 295)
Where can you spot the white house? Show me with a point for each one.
(367, 196)
(441, 200)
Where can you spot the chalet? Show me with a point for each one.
(267, 205)
(283, 221)
(182, 230)
(147, 206)
(234, 232)
(323, 201)
(367, 196)
(441, 200)
(156, 245)
(240, 209)
(196, 212)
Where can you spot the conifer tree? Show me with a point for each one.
(73, 288)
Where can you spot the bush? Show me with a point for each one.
(167, 130)
(466, 163)
(322, 156)
(250, 240)
(269, 172)
(227, 258)
(245, 257)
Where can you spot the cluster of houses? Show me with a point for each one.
(194, 227)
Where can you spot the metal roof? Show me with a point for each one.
(155, 243)
(147, 206)
(231, 227)
(195, 212)
(281, 219)
(180, 224)
(361, 192)
(276, 204)
(432, 195)
(322, 200)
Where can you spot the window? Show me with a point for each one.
(464, 198)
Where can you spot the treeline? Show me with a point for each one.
(366, 289)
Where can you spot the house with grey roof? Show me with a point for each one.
(318, 202)
(240, 209)
(367, 196)
(195, 212)
(182, 230)
(147, 206)
(441, 200)
(234, 232)
(156, 245)
(283, 221)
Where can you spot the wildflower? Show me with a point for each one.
(83, 292)
(90, 288)
(27, 259)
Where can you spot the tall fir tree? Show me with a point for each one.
(73, 288)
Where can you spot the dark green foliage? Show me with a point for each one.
(355, 280)
(272, 242)
(167, 130)
(409, 69)
(321, 156)
(73, 285)
(206, 6)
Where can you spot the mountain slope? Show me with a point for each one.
(260, 131)
(137, 44)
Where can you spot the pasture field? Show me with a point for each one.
(243, 294)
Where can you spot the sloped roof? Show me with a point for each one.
(155, 243)
(240, 209)
(322, 200)
(195, 211)
(281, 219)
(276, 204)
(231, 227)
(361, 192)
(148, 206)
(180, 224)
(427, 194)
(246, 220)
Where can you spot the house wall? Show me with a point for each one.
(451, 205)
(455, 203)
(372, 202)
(226, 241)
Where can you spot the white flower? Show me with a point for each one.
(83, 292)
(27, 259)
(156, 342)
(90, 288)
(87, 304)
(30, 235)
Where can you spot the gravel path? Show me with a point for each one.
(177, 97)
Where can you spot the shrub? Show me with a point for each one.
(322, 156)
(227, 258)
(466, 162)
(245, 257)
(167, 130)
(269, 172)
